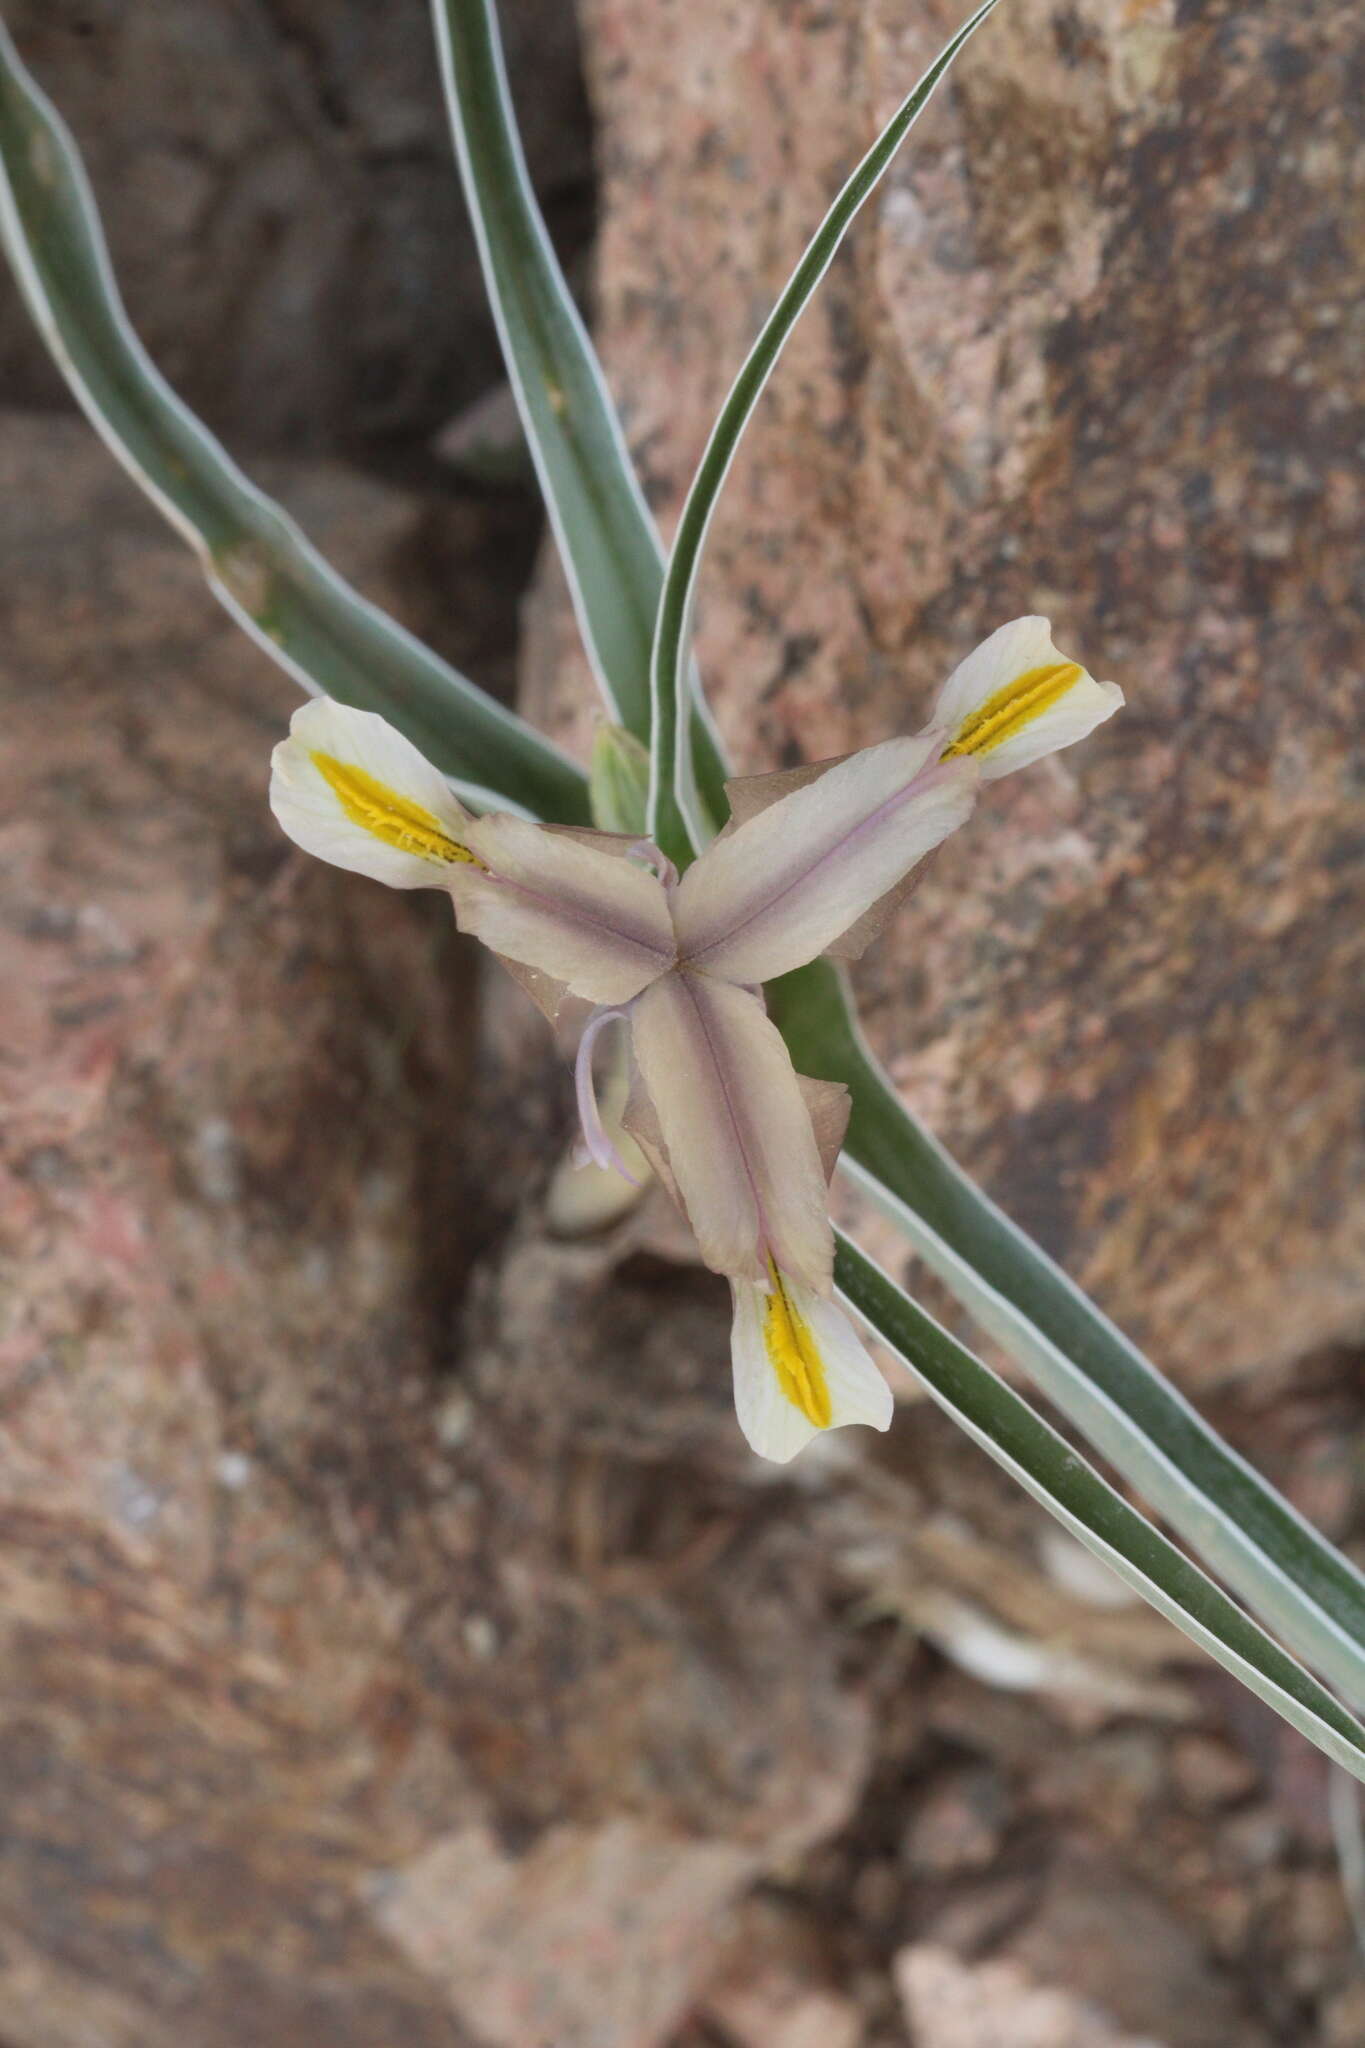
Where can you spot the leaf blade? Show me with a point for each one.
(605, 534)
(673, 821)
(255, 559)
(1004, 1426)
(1239, 1524)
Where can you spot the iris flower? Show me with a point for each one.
(599, 929)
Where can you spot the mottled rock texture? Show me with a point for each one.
(280, 194)
(397, 1644)
(948, 2006)
(1090, 351)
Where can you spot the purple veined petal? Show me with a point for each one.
(786, 885)
(734, 1126)
(600, 1149)
(585, 916)
(800, 1368)
(750, 794)
(1016, 697)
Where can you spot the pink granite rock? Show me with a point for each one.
(949, 2004)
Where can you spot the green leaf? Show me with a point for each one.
(674, 821)
(1243, 1529)
(275, 584)
(1048, 1468)
(607, 539)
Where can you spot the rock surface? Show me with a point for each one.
(278, 186)
(1090, 351)
(396, 1642)
(950, 2006)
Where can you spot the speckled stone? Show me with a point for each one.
(1090, 351)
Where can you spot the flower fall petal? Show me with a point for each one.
(1016, 698)
(734, 1125)
(799, 1368)
(788, 883)
(350, 789)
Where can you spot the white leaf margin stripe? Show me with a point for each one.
(269, 531)
(1324, 1725)
(1115, 1395)
(672, 778)
(1108, 1426)
(582, 367)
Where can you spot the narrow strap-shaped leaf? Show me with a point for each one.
(258, 563)
(1048, 1468)
(606, 537)
(609, 543)
(674, 824)
(1243, 1529)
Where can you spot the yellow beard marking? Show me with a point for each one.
(394, 819)
(1014, 707)
(794, 1356)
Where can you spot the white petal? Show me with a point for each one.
(586, 916)
(731, 1117)
(1016, 698)
(834, 1381)
(789, 882)
(349, 788)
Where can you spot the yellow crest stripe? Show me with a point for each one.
(398, 821)
(795, 1356)
(1009, 710)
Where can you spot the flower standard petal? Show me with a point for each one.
(350, 789)
(598, 1144)
(735, 1127)
(589, 918)
(799, 1368)
(790, 881)
(1016, 698)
